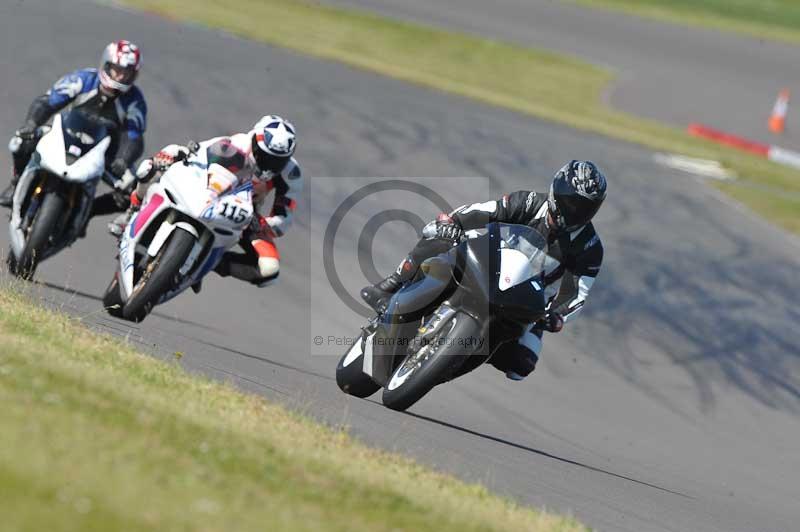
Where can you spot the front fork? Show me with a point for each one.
(41, 185)
(34, 201)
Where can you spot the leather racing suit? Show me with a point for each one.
(579, 254)
(260, 262)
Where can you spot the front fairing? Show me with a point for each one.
(182, 196)
(502, 272)
(519, 261)
(75, 147)
(187, 187)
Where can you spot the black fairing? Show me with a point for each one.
(467, 279)
(417, 299)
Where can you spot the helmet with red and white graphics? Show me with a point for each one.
(274, 143)
(119, 66)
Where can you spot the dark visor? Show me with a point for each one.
(120, 74)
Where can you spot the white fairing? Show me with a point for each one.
(217, 221)
(363, 346)
(368, 341)
(86, 171)
(515, 268)
(52, 151)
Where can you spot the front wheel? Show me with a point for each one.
(349, 375)
(112, 299)
(433, 363)
(44, 228)
(160, 275)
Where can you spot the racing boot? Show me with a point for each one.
(117, 226)
(21, 147)
(7, 196)
(377, 296)
(196, 287)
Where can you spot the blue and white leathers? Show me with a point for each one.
(80, 86)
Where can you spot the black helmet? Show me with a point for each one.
(577, 192)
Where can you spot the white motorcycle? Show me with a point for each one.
(180, 234)
(53, 198)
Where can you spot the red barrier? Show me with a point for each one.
(699, 130)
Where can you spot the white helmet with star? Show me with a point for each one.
(274, 142)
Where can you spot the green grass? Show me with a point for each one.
(96, 437)
(542, 84)
(769, 19)
(781, 206)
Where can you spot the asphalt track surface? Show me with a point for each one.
(664, 71)
(672, 404)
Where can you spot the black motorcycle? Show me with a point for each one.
(460, 307)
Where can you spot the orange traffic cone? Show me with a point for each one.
(777, 121)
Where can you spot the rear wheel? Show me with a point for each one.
(433, 363)
(44, 228)
(161, 275)
(349, 375)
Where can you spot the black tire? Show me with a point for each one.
(159, 276)
(352, 380)
(112, 299)
(45, 226)
(443, 362)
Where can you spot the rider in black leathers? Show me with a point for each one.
(562, 217)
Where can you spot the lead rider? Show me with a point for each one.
(108, 92)
(563, 217)
(263, 156)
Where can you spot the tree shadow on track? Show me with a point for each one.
(708, 302)
(543, 453)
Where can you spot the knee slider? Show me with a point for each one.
(268, 267)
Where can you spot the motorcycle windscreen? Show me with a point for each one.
(520, 264)
(82, 132)
(525, 253)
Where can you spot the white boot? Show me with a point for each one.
(117, 226)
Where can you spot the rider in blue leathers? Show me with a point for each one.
(108, 91)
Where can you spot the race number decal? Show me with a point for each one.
(234, 213)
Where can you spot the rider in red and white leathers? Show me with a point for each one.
(264, 156)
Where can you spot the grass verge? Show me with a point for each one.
(542, 84)
(94, 436)
(767, 19)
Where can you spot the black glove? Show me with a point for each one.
(193, 147)
(28, 131)
(553, 322)
(117, 168)
(447, 228)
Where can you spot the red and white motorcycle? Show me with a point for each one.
(180, 234)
